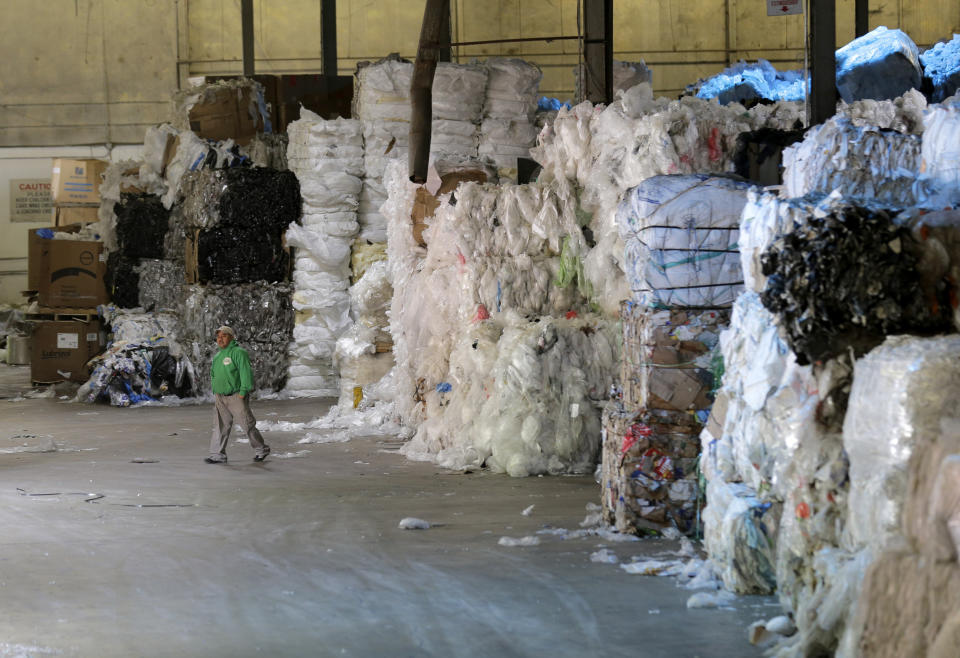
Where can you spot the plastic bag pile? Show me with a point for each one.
(745, 82)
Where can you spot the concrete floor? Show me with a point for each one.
(303, 556)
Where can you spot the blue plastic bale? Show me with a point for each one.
(880, 65)
(941, 64)
(744, 82)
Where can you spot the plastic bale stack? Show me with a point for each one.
(327, 158)
(137, 274)
(509, 105)
(940, 151)
(681, 234)
(383, 105)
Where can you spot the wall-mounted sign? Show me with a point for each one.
(784, 7)
(31, 200)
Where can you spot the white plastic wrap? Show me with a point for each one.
(901, 392)
(941, 148)
(681, 234)
(903, 114)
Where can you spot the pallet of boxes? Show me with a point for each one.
(683, 266)
(66, 277)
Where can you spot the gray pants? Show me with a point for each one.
(225, 409)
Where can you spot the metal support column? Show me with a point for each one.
(328, 36)
(598, 50)
(421, 87)
(246, 22)
(861, 17)
(823, 64)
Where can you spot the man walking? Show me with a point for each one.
(232, 380)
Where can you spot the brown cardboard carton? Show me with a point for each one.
(425, 204)
(67, 273)
(61, 350)
(718, 415)
(76, 181)
(66, 215)
(225, 115)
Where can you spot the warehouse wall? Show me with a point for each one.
(89, 73)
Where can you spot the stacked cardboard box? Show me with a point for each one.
(651, 438)
(75, 186)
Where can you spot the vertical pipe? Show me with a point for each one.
(246, 21)
(823, 63)
(598, 50)
(861, 17)
(446, 37)
(421, 88)
(328, 36)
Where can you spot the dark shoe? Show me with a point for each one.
(263, 455)
(214, 460)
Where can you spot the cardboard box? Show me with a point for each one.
(61, 350)
(66, 273)
(225, 115)
(425, 204)
(66, 215)
(76, 181)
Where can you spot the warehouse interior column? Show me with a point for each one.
(328, 36)
(246, 28)
(861, 17)
(823, 62)
(598, 50)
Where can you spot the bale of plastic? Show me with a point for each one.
(902, 392)
(141, 225)
(257, 198)
(649, 469)
(681, 234)
(865, 162)
(259, 311)
(122, 280)
(845, 281)
(882, 64)
(160, 284)
(941, 67)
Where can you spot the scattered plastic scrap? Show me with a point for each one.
(328, 437)
(654, 567)
(530, 540)
(765, 633)
(413, 523)
(291, 455)
(143, 460)
(528, 511)
(718, 599)
(8, 650)
(604, 556)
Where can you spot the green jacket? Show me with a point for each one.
(231, 372)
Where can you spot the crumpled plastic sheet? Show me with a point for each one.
(160, 284)
(458, 91)
(901, 391)
(903, 114)
(881, 64)
(859, 161)
(681, 237)
(260, 311)
(739, 534)
(152, 179)
(941, 149)
(365, 254)
(844, 281)
(141, 225)
(519, 395)
(746, 81)
(941, 65)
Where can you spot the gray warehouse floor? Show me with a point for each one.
(303, 556)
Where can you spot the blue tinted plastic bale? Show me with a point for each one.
(880, 65)
(743, 82)
(941, 66)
